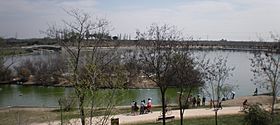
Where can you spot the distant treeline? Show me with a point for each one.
(27, 42)
(197, 44)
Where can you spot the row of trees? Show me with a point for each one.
(166, 65)
(161, 61)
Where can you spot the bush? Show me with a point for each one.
(257, 116)
(67, 103)
(5, 72)
(46, 71)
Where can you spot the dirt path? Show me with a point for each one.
(152, 117)
(233, 107)
(190, 113)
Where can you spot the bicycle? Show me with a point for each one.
(244, 108)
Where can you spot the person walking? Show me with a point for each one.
(256, 92)
(135, 108)
(142, 107)
(132, 107)
(188, 101)
(198, 100)
(149, 105)
(220, 105)
(232, 94)
(203, 100)
(211, 104)
(193, 101)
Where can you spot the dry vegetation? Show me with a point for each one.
(264, 100)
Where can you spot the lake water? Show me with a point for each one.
(16, 95)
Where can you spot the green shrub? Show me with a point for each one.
(67, 103)
(257, 116)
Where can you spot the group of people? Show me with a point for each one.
(196, 101)
(144, 108)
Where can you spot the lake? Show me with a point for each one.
(17, 95)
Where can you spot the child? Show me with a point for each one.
(149, 105)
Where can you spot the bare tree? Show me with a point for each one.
(103, 69)
(187, 78)
(132, 67)
(266, 69)
(5, 64)
(74, 36)
(93, 67)
(45, 71)
(156, 48)
(216, 73)
(5, 71)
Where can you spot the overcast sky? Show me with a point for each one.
(202, 19)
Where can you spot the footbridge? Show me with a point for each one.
(45, 47)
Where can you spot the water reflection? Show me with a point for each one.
(17, 95)
(48, 96)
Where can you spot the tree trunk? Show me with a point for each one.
(181, 109)
(81, 107)
(163, 106)
(181, 106)
(273, 102)
(216, 116)
(91, 111)
(61, 115)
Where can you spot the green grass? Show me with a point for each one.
(12, 51)
(222, 120)
(13, 117)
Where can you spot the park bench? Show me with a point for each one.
(168, 118)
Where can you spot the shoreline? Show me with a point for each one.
(261, 99)
(45, 115)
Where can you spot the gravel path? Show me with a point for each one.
(233, 107)
(152, 117)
